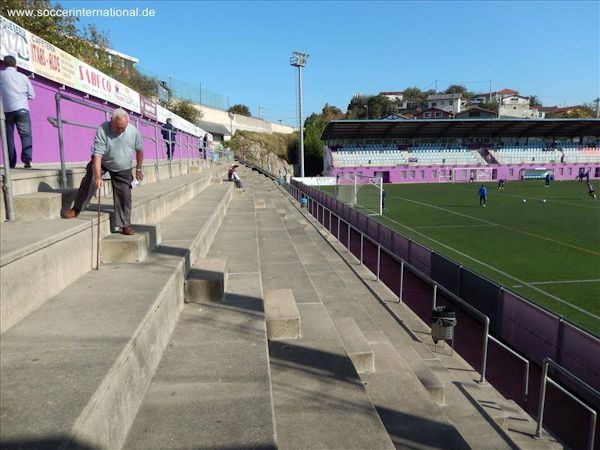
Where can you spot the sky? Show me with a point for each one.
(242, 49)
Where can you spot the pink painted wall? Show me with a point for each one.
(77, 140)
(424, 174)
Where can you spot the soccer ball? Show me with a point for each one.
(544, 200)
(524, 201)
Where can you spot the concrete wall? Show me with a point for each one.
(78, 140)
(238, 122)
(431, 174)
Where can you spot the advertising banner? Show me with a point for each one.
(52, 63)
(14, 41)
(149, 109)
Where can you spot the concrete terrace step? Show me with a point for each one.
(75, 371)
(319, 399)
(68, 246)
(117, 247)
(478, 412)
(213, 386)
(356, 345)
(38, 206)
(283, 318)
(207, 281)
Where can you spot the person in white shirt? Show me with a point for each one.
(16, 93)
(236, 178)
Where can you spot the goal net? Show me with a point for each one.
(362, 192)
(466, 174)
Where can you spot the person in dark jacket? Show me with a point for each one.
(168, 134)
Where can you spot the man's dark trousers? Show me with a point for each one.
(170, 147)
(121, 185)
(22, 120)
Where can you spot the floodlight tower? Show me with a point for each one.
(299, 60)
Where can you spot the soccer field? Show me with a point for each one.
(549, 252)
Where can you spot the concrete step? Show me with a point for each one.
(282, 316)
(38, 206)
(207, 280)
(478, 412)
(69, 246)
(355, 344)
(75, 371)
(117, 247)
(212, 388)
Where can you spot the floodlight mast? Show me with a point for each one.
(299, 60)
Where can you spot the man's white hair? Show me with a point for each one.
(118, 113)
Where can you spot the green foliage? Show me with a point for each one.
(534, 101)
(459, 89)
(87, 44)
(376, 106)
(184, 109)
(240, 109)
(414, 94)
(331, 112)
(490, 106)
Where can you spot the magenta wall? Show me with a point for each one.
(507, 172)
(77, 140)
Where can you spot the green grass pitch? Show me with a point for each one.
(549, 252)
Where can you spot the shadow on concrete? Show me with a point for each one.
(45, 444)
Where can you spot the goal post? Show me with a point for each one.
(362, 192)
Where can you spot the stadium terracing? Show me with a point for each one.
(443, 150)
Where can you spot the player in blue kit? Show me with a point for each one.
(482, 195)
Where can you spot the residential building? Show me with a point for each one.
(476, 112)
(518, 106)
(452, 103)
(434, 113)
(492, 96)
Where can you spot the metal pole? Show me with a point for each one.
(485, 349)
(338, 230)
(156, 153)
(401, 281)
(9, 201)
(300, 125)
(362, 236)
(61, 145)
(180, 155)
(378, 259)
(348, 237)
(435, 295)
(538, 430)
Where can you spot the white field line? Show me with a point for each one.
(547, 294)
(516, 230)
(537, 283)
(454, 226)
(554, 200)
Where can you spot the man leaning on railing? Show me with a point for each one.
(168, 133)
(114, 145)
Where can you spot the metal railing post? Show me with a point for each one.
(435, 287)
(401, 281)
(180, 153)
(9, 200)
(348, 224)
(338, 230)
(542, 400)
(330, 221)
(362, 238)
(378, 260)
(485, 349)
(156, 153)
(61, 144)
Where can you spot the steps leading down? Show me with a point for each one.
(30, 248)
(75, 371)
(469, 414)
(212, 388)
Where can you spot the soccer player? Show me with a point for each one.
(501, 183)
(592, 191)
(482, 195)
(547, 180)
(383, 195)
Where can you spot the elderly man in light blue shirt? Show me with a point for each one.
(16, 93)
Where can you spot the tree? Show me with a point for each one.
(490, 106)
(331, 112)
(185, 109)
(240, 109)
(459, 89)
(534, 101)
(580, 112)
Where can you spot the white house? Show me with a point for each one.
(395, 96)
(518, 106)
(451, 103)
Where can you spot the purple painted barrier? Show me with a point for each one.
(400, 246)
(579, 354)
(530, 329)
(420, 257)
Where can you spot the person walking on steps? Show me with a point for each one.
(114, 145)
(16, 90)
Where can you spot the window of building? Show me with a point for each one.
(443, 102)
(570, 171)
(434, 173)
(511, 172)
(450, 102)
(427, 114)
(438, 114)
(421, 174)
(412, 174)
(434, 104)
(404, 174)
(561, 171)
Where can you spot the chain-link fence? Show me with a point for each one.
(185, 90)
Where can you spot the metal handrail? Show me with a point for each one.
(542, 401)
